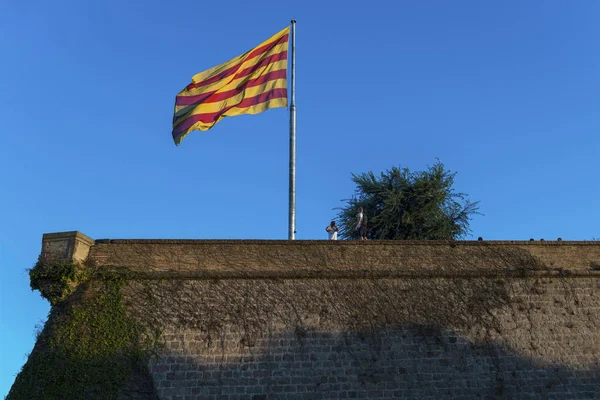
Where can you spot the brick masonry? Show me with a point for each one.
(546, 345)
(377, 320)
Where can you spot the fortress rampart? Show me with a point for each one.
(347, 319)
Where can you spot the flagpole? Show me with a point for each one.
(292, 186)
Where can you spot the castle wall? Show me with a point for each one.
(319, 319)
(392, 338)
(282, 256)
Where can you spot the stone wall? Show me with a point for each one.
(281, 256)
(425, 338)
(318, 319)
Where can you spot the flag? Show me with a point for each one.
(249, 84)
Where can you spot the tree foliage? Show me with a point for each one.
(401, 204)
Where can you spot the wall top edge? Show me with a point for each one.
(348, 242)
(67, 235)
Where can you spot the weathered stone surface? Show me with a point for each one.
(377, 320)
(535, 347)
(322, 256)
(66, 247)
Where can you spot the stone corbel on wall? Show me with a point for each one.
(65, 247)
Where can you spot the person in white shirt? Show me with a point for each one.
(361, 224)
(332, 229)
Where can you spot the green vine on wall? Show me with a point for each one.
(90, 346)
(55, 281)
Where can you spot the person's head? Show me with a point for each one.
(360, 209)
(332, 223)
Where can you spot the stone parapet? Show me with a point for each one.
(65, 247)
(335, 257)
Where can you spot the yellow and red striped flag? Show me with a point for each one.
(249, 84)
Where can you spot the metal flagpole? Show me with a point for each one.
(292, 204)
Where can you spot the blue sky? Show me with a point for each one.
(505, 93)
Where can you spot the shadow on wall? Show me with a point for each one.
(411, 363)
(517, 333)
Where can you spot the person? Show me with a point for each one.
(361, 224)
(332, 229)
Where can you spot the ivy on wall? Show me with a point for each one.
(90, 345)
(55, 281)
